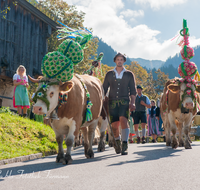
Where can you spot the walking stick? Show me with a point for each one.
(110, 126)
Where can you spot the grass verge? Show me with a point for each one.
(20, 137)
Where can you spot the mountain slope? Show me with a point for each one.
(149, 64)
(109, 53)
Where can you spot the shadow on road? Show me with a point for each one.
(28, 168)
(149, 155)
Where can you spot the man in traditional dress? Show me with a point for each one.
(142, 102)
(121, 98)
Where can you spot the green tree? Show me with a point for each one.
(59, 10)
(154, 87)
(140, 73)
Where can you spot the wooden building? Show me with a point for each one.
(23, 41)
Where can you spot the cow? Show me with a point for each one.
(71, 113)
(178, 107)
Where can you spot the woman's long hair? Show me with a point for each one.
(21, 66)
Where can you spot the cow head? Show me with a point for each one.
(47, 95)
(187, 93)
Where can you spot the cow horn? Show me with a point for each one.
(33, 80)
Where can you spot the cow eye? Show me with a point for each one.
(51, 94)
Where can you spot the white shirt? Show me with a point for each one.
(16, 76)
(120, 75)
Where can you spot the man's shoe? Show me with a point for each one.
(124, 148)
(138, 140)
(143, 140)
(118, 147)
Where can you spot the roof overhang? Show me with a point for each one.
(37, 13)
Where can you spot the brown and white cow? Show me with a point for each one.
(72, 114)
(171, 112)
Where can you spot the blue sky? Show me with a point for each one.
(141, 28)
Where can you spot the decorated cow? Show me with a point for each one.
(71, 102)
(179, 101)
(71, 99)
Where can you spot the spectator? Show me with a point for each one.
(158, 116)
(20, 96)
(153, 122)
(142, 102)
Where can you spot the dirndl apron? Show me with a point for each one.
(20, 96)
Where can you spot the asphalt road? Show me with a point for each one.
(147, 166)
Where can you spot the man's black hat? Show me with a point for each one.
(120, 54)
(139, 86)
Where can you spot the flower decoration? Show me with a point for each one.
(188, 92)
(88, 95)
(189, 85)
(45, 86)
(188, 79)
(40, 94)
(182, 80)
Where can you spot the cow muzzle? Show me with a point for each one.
(189, 105)
(38, 110)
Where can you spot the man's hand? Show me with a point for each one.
(142, 103)
(132, 107)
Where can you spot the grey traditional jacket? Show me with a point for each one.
(119, 88)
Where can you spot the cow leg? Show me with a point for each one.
(181, 142)
(187, 140)
(104, 124)
(173, 127)
(91, 130)
(85, 136)
(174, 138)
(69, 142)
(167, 132)
(60, 156)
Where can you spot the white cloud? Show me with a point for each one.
(157, 4)
(136, 42)
(131, 13)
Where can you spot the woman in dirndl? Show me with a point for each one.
(153, 123)
(20, 96)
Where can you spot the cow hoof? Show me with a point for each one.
(101, 147)
(188, 146)
(181, 143)
(110, 144)
(168, 143)
(77, 143)
(59, 157)
(90, 154)
(174, 144)
(67, 159)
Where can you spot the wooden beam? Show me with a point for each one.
(37, 13)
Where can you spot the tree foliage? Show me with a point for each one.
(152, 87)
(140, 73)
(59, 10)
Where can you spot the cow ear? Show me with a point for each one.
(66, 87)
(198, 88)
(173, 88)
